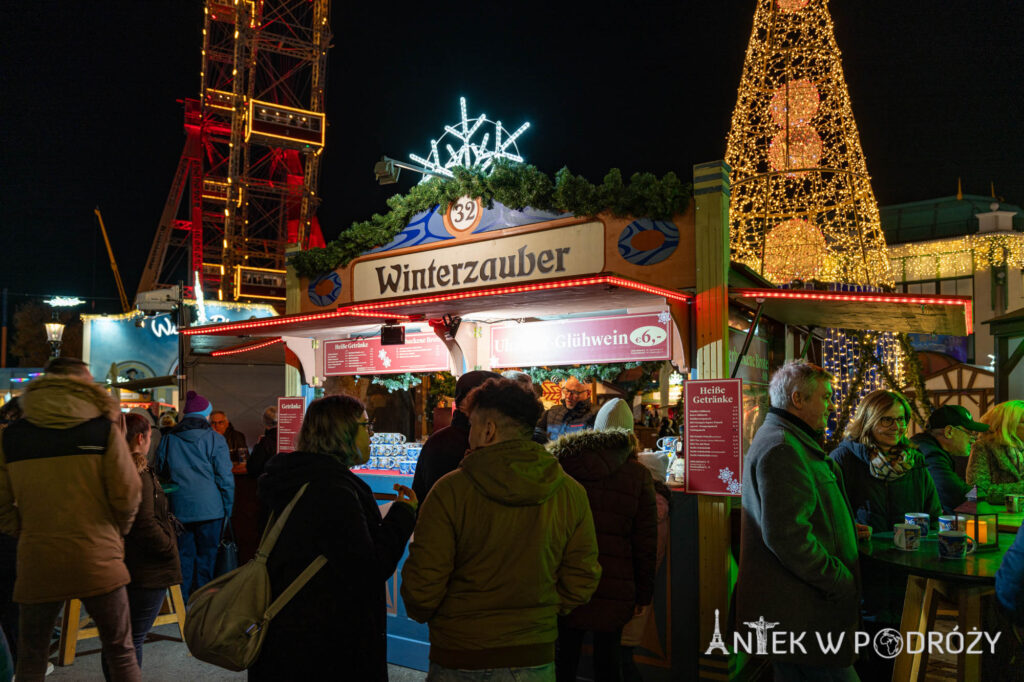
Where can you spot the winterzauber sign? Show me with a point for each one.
(558, 252)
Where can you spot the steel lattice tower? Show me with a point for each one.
(251, 160)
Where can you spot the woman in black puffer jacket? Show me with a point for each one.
(335, 626)
(621, 495)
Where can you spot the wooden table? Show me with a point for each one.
(961, 581)
(1008, 523)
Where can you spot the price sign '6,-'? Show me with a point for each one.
(463, 214)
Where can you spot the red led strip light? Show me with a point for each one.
(864, 297)
(245, 349)
(523, 288)
(285, 319)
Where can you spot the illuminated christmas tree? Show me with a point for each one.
(802, 205)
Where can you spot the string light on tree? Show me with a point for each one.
(469, 145)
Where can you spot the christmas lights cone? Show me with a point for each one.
(798, 171)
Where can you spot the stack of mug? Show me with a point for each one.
(953, 541)
(669, 445)
(390, 452)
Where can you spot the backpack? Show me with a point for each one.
(227, 617)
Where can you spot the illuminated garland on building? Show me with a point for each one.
(959, 257)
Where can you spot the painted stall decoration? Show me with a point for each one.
(646, 241)
(583, 340)
(324, 290)
(421, 352)
(714, 426)
(147, 347)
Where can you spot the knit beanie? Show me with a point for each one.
(614, 414)
(197, 405)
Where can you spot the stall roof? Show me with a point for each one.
(555, 297)
(863, 310)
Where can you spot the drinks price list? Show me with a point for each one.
(714, 425)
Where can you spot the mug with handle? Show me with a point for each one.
(667, 443)
(955, 544)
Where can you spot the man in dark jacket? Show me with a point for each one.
(574, 413)
(444, 449)
(950, 432)
(798, 547)
(266, 446)
(237, 446)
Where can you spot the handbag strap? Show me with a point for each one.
(274, 529)
(227, 532)
(293, 589)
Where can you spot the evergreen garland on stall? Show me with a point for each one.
(393, 382)
(607, 372)
(514, 185)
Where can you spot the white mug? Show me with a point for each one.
(906, 536)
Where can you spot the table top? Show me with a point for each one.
(977, 567)
(1008, 523)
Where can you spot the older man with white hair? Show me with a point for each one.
(798, 548)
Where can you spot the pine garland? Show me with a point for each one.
(393, 382)
(609, 373)
(514, 185)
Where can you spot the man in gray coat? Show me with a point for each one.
(798, 549)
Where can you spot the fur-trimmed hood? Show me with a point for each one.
(60, 402)
(593, 455)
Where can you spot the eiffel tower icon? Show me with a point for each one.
(716, 640)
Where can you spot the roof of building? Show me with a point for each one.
(940, 218)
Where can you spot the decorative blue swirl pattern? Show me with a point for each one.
(648, 256)
(329, 297)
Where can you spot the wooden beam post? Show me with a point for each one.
(711, 194)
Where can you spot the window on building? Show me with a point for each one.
(957, 286)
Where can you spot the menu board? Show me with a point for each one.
(611, 338)
(290, 412)
(421, 352)
(714, 427)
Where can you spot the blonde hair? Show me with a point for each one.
(330, 427)
(870, 411)
(1003, 421)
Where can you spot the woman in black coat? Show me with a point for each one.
(335, 627)
(151, 546)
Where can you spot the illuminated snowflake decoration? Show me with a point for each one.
(664, 317)
(473, 143)
(726, 476)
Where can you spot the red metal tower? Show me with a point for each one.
(253, 140)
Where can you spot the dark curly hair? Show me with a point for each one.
(506, 397)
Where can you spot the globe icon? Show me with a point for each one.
(888, 643)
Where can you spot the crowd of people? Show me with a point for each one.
(804, 510)
(530, 529)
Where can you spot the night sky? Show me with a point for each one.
(88, 111)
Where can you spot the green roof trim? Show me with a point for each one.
(940, 218)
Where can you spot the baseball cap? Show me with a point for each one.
(954, 415)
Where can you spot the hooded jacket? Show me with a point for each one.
(196, 457)
(621, 495)
(798, 545)
(881, 504)
(996, 469)
(502, 546)
(951, 488)
(69, 489)
(335, 626)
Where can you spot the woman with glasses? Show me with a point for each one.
(996, 465)
(884, 474)
(335, 626)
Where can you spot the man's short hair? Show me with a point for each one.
(507, 398)
(66, 366)
(270, 417)
(792, 377)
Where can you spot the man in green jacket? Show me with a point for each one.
(503, 545)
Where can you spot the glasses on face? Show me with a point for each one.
(368, 424)
(218, 422)
(888, 422)
(579, 394)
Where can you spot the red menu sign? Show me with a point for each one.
(422, 352)
(583, 340)
(714, 425)
(289, 421)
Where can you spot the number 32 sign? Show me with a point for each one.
(463, 215)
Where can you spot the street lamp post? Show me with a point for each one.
(54, 334)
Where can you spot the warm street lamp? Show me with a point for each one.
(54, 333)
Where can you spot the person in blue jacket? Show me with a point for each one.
(196, 458)
(1010, 580)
